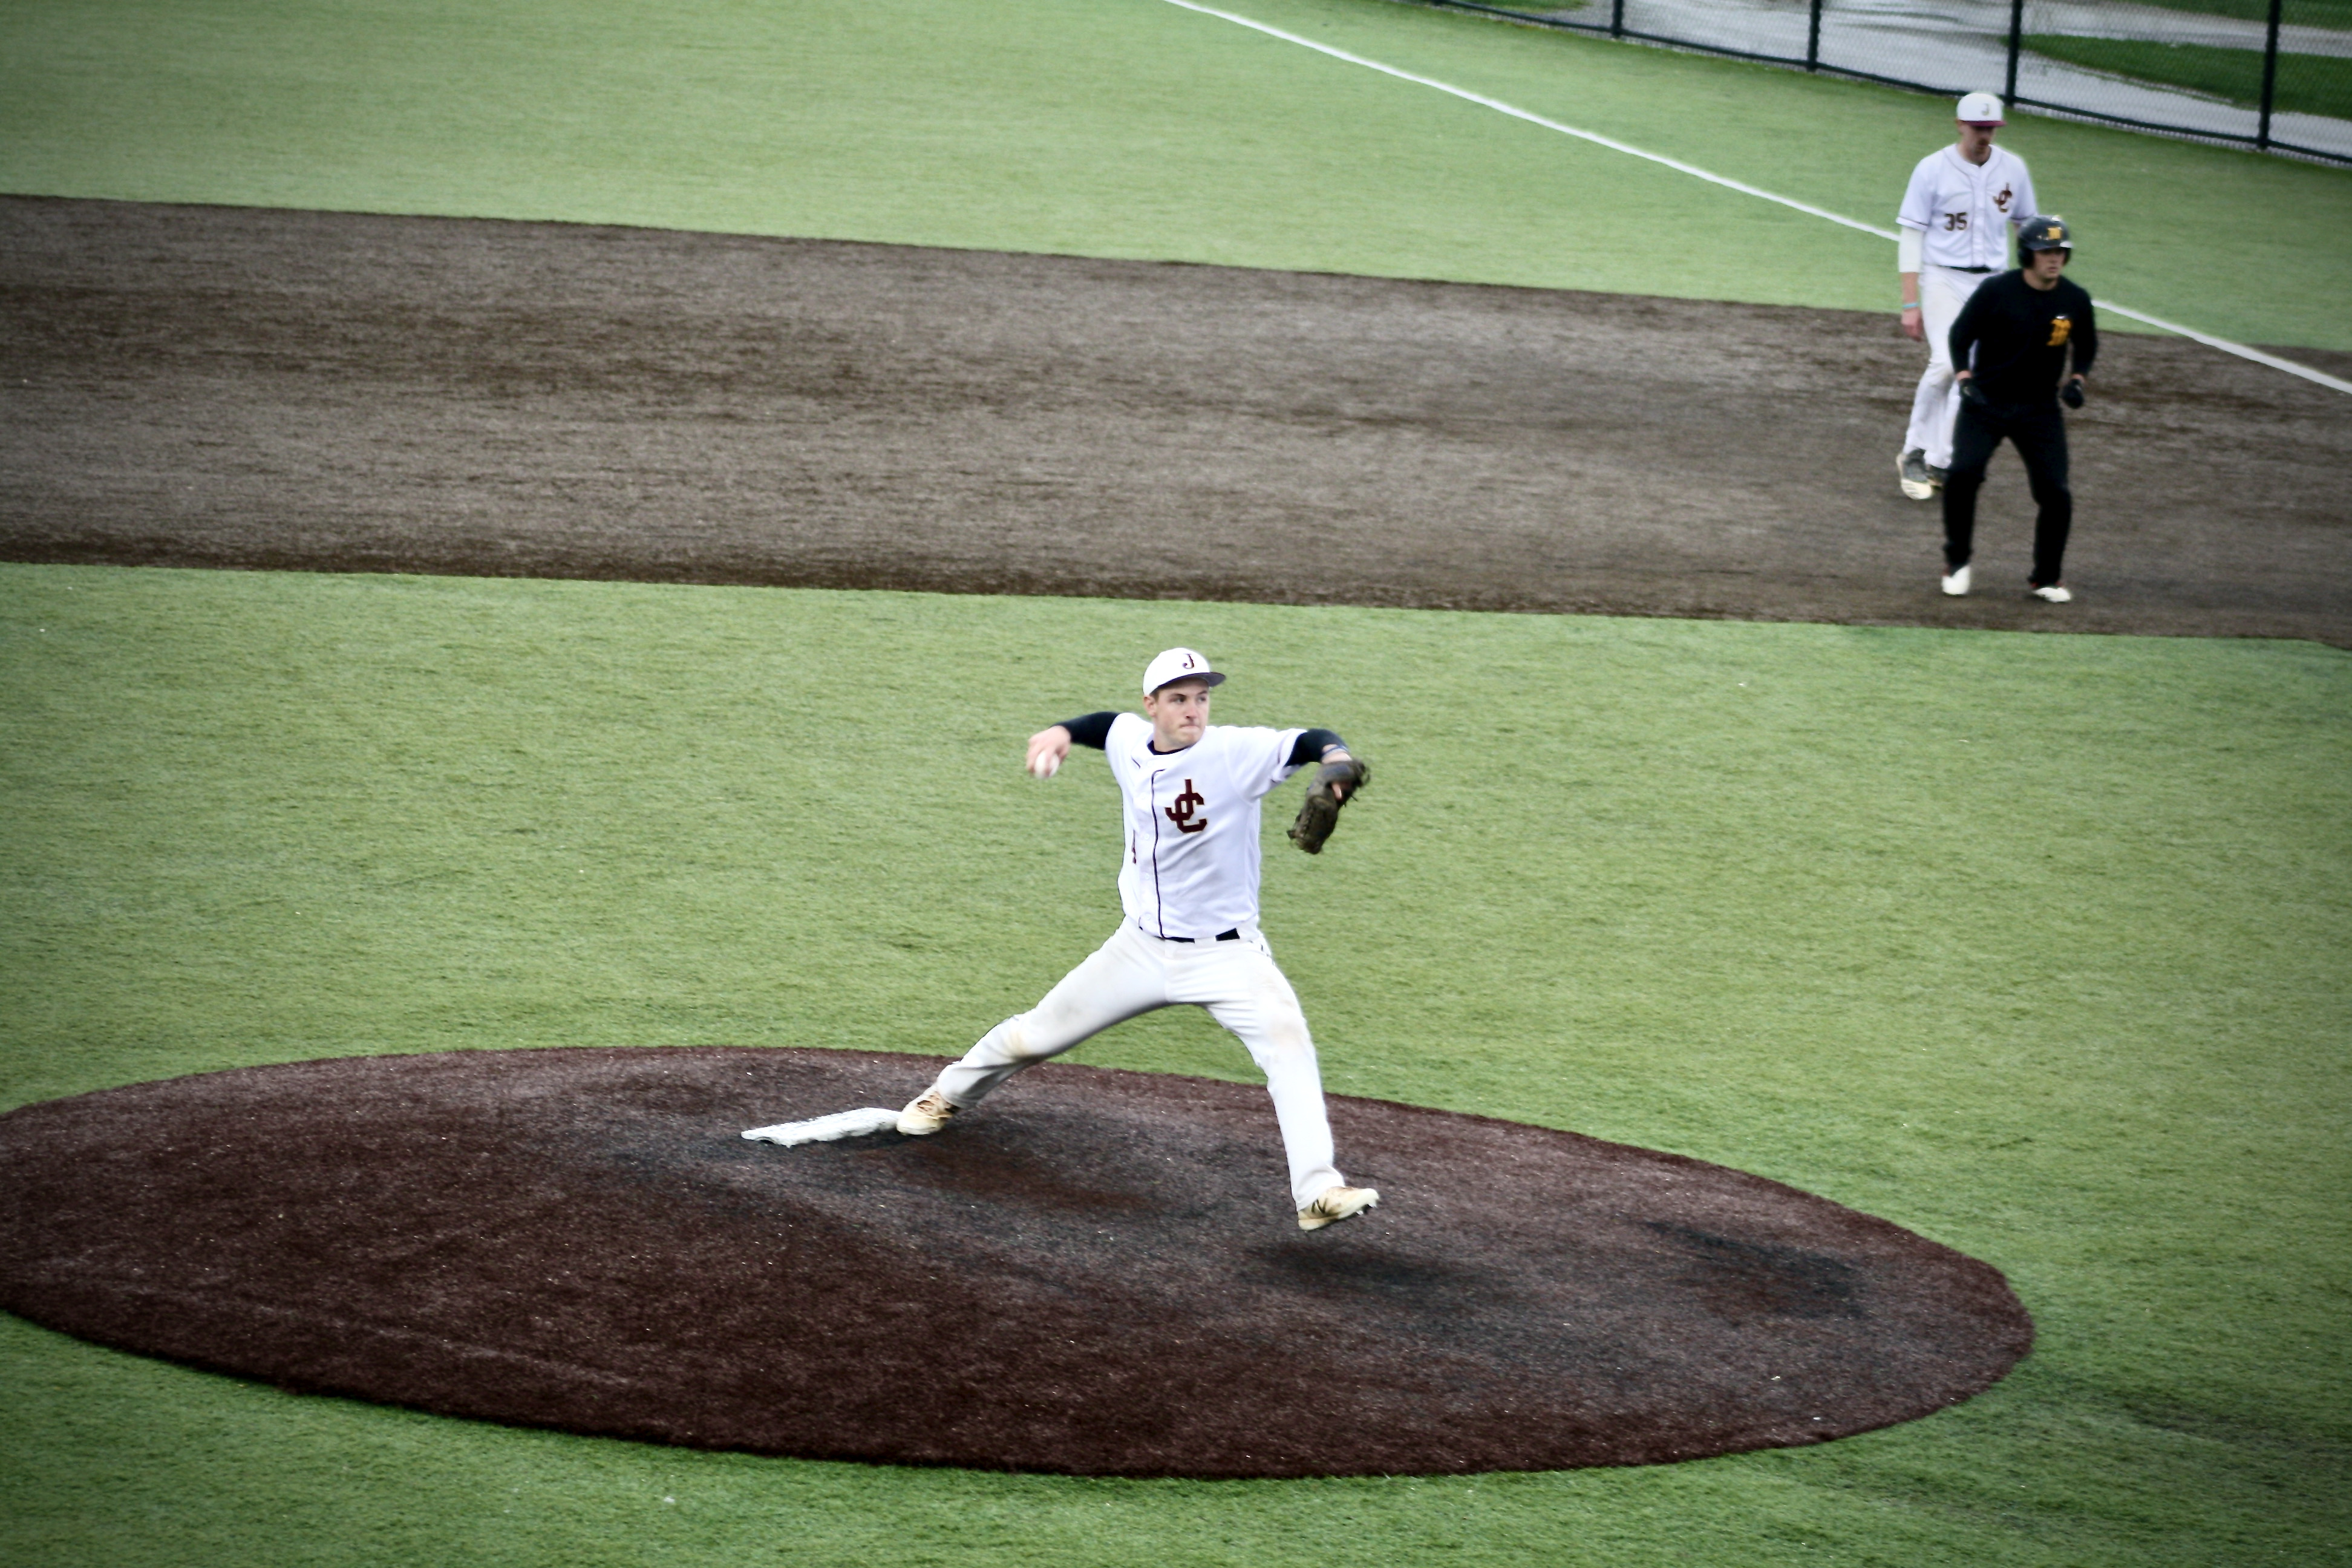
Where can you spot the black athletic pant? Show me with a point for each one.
(2039, 433)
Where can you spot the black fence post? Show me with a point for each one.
(2270, 77)
(2016, 40)
(1617, 19)
(1813, 37)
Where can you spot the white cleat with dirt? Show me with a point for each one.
(1911, 471)
(2053, 593)
(1955, 584)
(927, 1113)
(1335, 1205)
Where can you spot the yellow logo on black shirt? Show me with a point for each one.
(2060, 329)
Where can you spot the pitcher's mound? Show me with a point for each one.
(1098, 1272)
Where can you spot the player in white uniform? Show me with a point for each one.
(1189, 883)
(1951, 238)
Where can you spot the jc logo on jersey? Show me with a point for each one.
(2060, 329)
(1182, 813)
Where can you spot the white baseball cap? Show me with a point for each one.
(1178, 664)
(1981, 108)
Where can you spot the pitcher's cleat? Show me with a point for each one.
(1911, 471)
(927, 1113)
(1335, 1205)
(2053, 593)
(1956, 582)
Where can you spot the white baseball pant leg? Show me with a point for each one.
(1242, 989)
(1936, 405)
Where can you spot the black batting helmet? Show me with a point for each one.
(2044, 233)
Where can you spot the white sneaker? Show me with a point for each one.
(2053, 593)
(1955, 584)
(1337, 1204)
(927, 1113)
(1911, 471)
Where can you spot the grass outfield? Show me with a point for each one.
(2305, 84)
(2296, 13)
(2033, 944)
(1111, 127)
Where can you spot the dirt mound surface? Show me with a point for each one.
(213, 386)
(1098, 1273)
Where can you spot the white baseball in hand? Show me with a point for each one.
(1045, 764)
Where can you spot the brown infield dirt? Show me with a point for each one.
(1098, 1273)
(211, 387)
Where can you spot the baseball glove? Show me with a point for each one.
(1319, 814)
(1971, 392)
(2071, 393)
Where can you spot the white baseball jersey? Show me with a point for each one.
(1191, 867)
(1960, 207)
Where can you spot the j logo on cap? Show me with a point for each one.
(1979, 109)
(1178, 664)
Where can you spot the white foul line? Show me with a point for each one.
(2226, 347)
(1496, 104)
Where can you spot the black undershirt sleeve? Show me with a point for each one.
(1094, 730)
(1311, 744)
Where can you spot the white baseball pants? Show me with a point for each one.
(1936, 402)
(1134, 972)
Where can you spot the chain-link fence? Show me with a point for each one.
(2273, 74)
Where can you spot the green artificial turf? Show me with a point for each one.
(1111, 127)
(2305, 84)
(2035, 943)
(2335, 13)
(2294, 13)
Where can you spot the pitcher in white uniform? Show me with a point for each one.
(1189, 883)
(1952, 233)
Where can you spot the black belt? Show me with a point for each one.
(1233, 936)
(1971, 269)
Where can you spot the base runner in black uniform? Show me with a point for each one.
(2013, 337)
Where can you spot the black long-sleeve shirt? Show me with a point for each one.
(2020, 336)
(1094, 730)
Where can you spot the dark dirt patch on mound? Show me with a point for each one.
(1098, 1274)
(228, 387)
